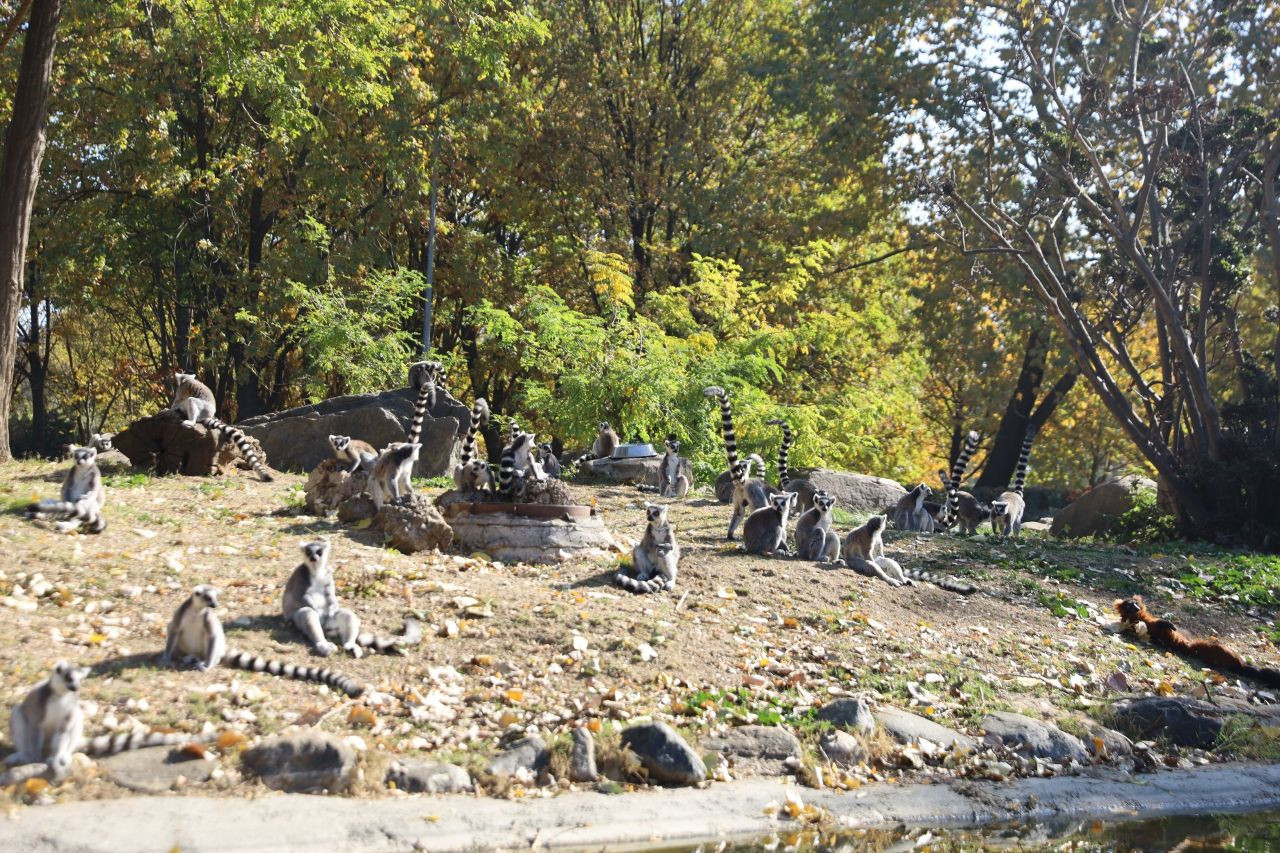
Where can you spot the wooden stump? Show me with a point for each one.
(165, 443)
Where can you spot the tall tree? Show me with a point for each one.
(24, 144)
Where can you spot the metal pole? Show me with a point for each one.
(428, 295)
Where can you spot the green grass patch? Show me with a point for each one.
(745, 706)
(130, 480)
(1250, 579)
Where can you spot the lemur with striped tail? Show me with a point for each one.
(748, 495)
(517, 465)
(82, 496)
(196, 637)
(310, 603)
(1008, 509)
(815, 540)
(803, 488)
(956, 510)
(195, 401)
(472, 473)
(657, 556)
(864, 553)
(425, 377)
(47, 727)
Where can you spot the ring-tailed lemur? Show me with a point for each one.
(1007, 510)
(195, 401)
(815, 540)
(82, 496)
(472, 473)
(310, 603)
(393, 472)
(604, 445)
(657, 556)
(957, 475)
(672, 483)
(47, 727)
(196, 637)
(803, 488)
(361, 454)
(970, 512)
(910, 512)
(748, 495)
(864, 553)
(547, 458)
(517, 465)
(424, 377)
(765, 530)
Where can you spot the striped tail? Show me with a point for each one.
(393, 645)
(479, 416)
(946, 583)
(657, 583)
(513, 430)
(507, 467)
(426, 397)
(85, 511)
(726, 423)
(104, 745)
(957, 474)
(1024, 456)
(784, 476)
(255, 663)
(242, 443)
(23, 772)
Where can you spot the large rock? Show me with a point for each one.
(515, 538)
(759, 750)
(857, 492)
(1038, 738)
(413, 526)
(1093, 512)
(330, 488)
(645, 471)
(427, 777)
(906, 727)
(664, 754)
(303, 762)
(164, 443)
(154, 771)
(850, 713)
(1184, 721)
(298, 439)
(529, 754)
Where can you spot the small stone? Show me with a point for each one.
(665, 754)
(1041, 739)
(305, 761)
(1108, 744)
(582, 761)
(528, 753)
(906, 727)
(427, 777)
(850, 713)
(842, 748)
(757, 750)
(154, 771)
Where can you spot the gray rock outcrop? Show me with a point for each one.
(427, 777)
(298, 439)
(644, 471)
(842, 748)
(665, 755)
(304, 761)
(758, 750)
(857, 492)
(413, 526)
(528, 753)
(905, 727)
(851, 713)
(1184, 721)
(1035, 737)
(1093, 512)
(154, 771)
(582, 760)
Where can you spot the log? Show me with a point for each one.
(163, 442)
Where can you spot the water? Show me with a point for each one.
(1254, 831)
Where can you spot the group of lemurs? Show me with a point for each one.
(47, 726)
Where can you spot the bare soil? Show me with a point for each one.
(521, 648)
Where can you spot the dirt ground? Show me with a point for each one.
(542, 649)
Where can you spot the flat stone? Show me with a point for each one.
(852, 713)
(645, 471)
(155, 770)
(1039, 526)
(428, 777)
(842, 748)
(666, 755)
(529, 754)
(304, 761)
(582, 761)
(857, 492)
(906, 727)
(1041, 739)
(414, 526)
(757, 750)
(520, 539)
(1095, 511)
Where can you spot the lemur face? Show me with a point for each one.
(339, 442)
(315, 553)
(656, 513)
(86, 456)
(206, 594)
(68, 676)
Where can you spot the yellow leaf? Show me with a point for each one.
(363, 523)
(1165, 689)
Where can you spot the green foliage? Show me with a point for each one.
(1144, 522)
(1252, 580)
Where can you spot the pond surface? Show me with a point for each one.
(1254, 831)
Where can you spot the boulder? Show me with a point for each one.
(298, 439)
(582, 760)
(645, 471)
(906, 727)
(757, 750)
(301, 762)
(857, 492)
(528, 754)
(415, 525)
(514, 537)
(1107, 744)
(1184, 721)
(664, 754)
(164, 443)
(1093, 512)
(1035, 737)
(842, 748)
(154, 771)
(850, 713)
(724, 487)
(427, 777)
(330, 488)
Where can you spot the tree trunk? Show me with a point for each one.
(19, 174)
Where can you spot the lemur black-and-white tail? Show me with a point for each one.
(256, 663)
(657, 583)
(393, 645)
(1024, 456)
(726, 423)
(507, 465)
(242, 442)
(86, 512)
(479, 416)
(946, 583)
(784, 476)
(957, 474)
(513, 430)
(104, 745)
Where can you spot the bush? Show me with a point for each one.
(1143, 522)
